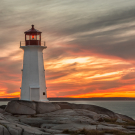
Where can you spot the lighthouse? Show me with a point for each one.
(33, 87)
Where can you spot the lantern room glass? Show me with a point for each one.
(32, 37)
(38, 37)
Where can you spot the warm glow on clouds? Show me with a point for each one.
(82, 77)
(119, 92)
(84, 74)
(4, 94)
(90, 46)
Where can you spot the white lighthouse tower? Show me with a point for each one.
(33, 74)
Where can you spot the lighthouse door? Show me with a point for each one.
(34, 94)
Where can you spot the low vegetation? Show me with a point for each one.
(84, 131)
(113, 121)
(95, 132)
(132, 123)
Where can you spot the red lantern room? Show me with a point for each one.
(32, 37)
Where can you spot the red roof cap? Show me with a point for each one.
(32, 30)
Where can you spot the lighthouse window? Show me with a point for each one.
(43, 93)
(38, 37)
(27, 37)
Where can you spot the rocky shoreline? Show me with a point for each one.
(42, 118)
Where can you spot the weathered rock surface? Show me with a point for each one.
(42, 107)
(123, 117)
(38, 118)
(1, 110)
(93, 108)
(16, 128)
(26, 107)
(21, 107)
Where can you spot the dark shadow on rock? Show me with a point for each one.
(3, 106)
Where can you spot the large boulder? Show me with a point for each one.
(93, 108)
(21, 107)
(45, 107)
(30, 107)
(124, 117)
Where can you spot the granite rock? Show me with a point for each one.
(54, 117)
(1, 110)
(21, 107)
(45, 107)
(93, 108)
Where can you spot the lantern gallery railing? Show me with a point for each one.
(24, 43)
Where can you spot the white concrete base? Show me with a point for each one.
(33, 74)
(45, 100)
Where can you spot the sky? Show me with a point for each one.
(90, 46)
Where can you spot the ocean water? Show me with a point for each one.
(122, 107)
(3, 102)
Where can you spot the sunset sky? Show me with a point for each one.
(90, 46)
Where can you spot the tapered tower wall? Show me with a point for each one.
(33, 74)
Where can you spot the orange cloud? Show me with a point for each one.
(87, 75)
(117, 92)
(4, 94)
(84, 76)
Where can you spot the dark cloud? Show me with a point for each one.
(128, 76)
(107, 42)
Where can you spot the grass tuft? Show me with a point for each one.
(84, 131)
(113, 120)
(96, 132)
